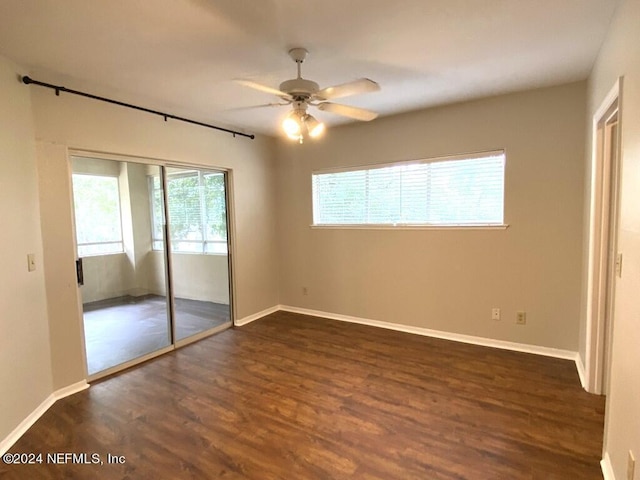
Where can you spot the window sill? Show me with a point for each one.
(106, 254)
(209, 254)
(410, 227)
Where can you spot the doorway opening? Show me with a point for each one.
(605, 262)
(153, 258)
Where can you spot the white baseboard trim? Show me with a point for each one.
(71, 389)
(33, 417)
(20, 430)
(256, 316)
(581, 371)
(456, 337)
(607, 468)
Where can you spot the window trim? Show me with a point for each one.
(409, 226)
(121, 241)
(200, 173)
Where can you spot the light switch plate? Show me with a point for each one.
(619, 265)
(31, 262)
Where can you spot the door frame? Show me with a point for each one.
(178, 343)
(604, 198)
(75, 152)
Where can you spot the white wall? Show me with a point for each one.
(25, 362)
(196, 277)
(136, 223)
(620, 55)
(108, 276)
(71, 122)
(449, 280)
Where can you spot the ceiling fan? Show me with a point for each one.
(302, 94)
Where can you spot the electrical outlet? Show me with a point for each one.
(521, 318)
(495, 314)
(631, 466)
(305, 291)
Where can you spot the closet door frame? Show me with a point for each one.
(169, 261)
(163, 164)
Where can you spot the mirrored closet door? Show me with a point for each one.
(152, 246)
(197, 210)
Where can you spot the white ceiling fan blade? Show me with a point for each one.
(348, 111)
(252, 107)
(362, 85)
(262, 88)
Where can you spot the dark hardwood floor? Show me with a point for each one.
(296, 397)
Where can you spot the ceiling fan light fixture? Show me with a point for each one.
(292, 125)
(299, 125)
(295, 137)
(314, 127)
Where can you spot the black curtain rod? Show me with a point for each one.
(27, 81)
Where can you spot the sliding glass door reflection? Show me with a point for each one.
(124, 295)
(152, 249)
(197, 223)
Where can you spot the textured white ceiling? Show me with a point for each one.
(181, 56)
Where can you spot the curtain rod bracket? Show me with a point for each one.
(28, 80)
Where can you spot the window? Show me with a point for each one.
(97, 211)
(197, 212)
(457, 191)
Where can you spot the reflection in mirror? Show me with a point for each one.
(125, 309)
(197, 210)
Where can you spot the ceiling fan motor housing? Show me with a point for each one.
(299, 88)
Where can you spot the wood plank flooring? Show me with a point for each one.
(297, 397)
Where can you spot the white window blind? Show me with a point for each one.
(456, 191)
(197, 212)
